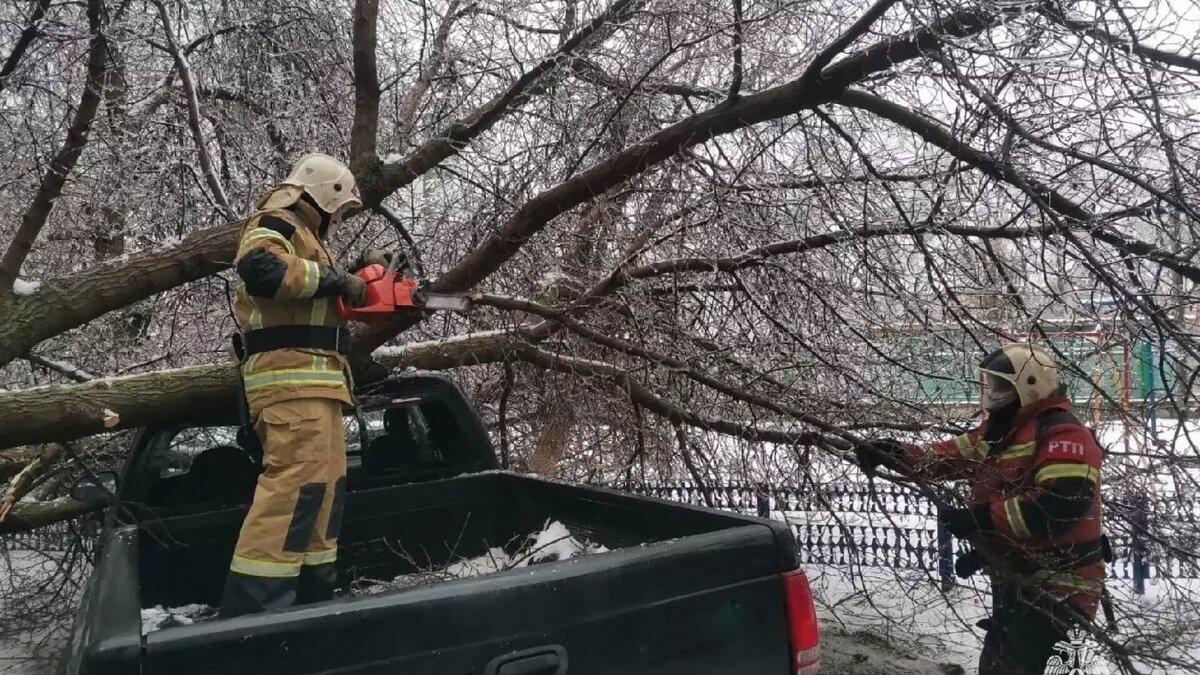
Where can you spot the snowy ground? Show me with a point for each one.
(907, 611)
(25, 652)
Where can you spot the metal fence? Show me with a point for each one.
(55, 538)
(893, 527)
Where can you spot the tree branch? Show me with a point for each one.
(783, 100)
(641, 395)
(193, 108)
(449, 142)
(196, 394)
(59, 305)
(722, 119)
(64, 161)
(32, 32)
(590, 71)
(735, 85)
(32, 515)
(426, 71)
(1047, 197)
(1056, 14)
(65, 369)
(365, 133)
(855, 31)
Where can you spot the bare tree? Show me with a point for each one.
(716, 242)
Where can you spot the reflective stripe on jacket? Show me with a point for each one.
(287, 278)
(1040, 493)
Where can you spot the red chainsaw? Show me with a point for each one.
(390, 292)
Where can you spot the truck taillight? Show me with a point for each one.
(803, 633)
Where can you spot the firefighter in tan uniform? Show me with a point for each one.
(294, 372)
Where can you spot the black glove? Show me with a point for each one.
(354, 289)
(964, 523)
(885, 452)
(968, 564)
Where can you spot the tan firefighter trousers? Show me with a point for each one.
(288, 544)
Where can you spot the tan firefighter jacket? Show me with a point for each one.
(288, 279)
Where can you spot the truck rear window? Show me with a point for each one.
(210, 465)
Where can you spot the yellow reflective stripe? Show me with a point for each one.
(1012, 509)
(968, 448)
(317, 316)
(312, 275)
(1069, 470)
(260, 233)
(255, 320)
(1067, 580)
(264, 568)
(320, 557)
(294, 376)
(1019, 450)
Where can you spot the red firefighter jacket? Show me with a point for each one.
(1036, 494)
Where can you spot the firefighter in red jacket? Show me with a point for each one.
(1034, 511)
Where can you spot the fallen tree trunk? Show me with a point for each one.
(202, 394)
(61, 304)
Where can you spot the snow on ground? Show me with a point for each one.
(906, 612)
(846, 652)
(26, 650)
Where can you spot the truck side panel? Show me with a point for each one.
(107, 636)
(710, 603)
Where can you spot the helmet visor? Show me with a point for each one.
(997, 391)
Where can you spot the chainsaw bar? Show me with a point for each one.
(453, 303)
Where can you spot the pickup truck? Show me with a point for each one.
(677, 589)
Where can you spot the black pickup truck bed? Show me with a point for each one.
(682, 590)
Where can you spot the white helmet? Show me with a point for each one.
(327, 181)
(1029, 371)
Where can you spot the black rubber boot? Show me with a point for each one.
(316, 583)
(245, 594)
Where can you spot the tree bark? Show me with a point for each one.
(198, 394)
(551, 443)
(364, 134)
(69, 302)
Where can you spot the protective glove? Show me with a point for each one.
(968, 564)
(885, 452)
(964, 523)
(354, 290)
